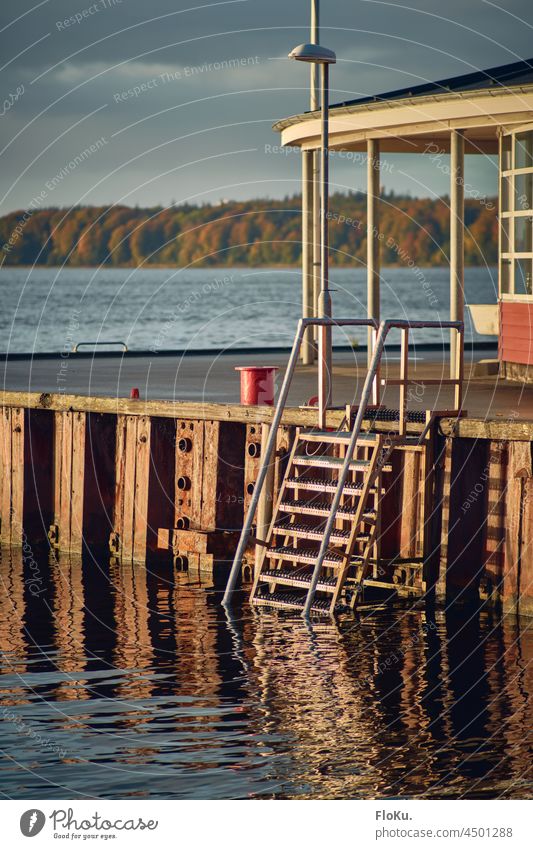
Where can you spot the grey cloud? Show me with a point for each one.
(81, 68)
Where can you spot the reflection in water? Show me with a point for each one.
(68, 625)
(133, 647)
(12, 611)
(125, 681)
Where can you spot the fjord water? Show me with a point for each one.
(131, 682)
(49, 309)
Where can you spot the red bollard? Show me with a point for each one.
(134, 394)
(257, 384)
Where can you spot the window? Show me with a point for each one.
(507, 150)
(504, 231)
(516, 214)
(523, 150)
(505, 193)
(523, 197)
(522, 277)
(522, 235)
(505, 277)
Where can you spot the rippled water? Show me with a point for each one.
(121, 681)
(44, 309)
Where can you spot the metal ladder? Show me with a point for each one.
(341, 530)
(290, 550)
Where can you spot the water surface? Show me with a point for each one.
(49, 309)
(124, 682)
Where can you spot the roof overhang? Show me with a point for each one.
(411, 124)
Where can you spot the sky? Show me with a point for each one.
(175, 101)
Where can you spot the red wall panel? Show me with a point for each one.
(515, 342)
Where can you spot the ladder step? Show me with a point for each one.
(290, 601)
(317, 485)
(362, 537)
(325, 462)
(297, 578)
(323, 508)
(342, 437)
(302, 555)
(305, 532)
(337, 437)
(384, 414)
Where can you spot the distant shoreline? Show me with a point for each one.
(413, 232)
(221, 268)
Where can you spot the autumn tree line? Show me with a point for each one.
(233, 233)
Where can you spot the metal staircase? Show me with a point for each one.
(304, 504)
(324, 537)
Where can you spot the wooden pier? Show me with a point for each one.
(172, 480)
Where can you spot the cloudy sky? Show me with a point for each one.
(179, 96)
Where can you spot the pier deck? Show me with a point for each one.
(494, 406)
(84, 464)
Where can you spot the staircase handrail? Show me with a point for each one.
(384, 329)
(370, 381)
(303, 323)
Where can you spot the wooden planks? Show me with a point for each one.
(161, 482)
(99, 479)
(12, 476)
(183, 476)
(69, 478)
(132, 469)
(38, 506)
(209, 485)
(190, 410)
(518, 549)
(189, 470)
(120, 473)
(222, 499)
(25, 475)
(487, 523)
(494, 543)
(464, 512)
(412, 494)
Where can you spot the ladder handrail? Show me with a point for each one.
(303, 323)
(384, 329)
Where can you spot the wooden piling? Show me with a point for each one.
(464, 511)
(265, 506)
(25, 475)
(518, 548)
(208, 492)
(12, 470)
(160, 494)
(84, 451)
(132, 468)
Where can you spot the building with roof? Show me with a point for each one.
(487, 112)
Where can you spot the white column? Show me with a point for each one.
(457, 156)
(372, 232)
(308, 311)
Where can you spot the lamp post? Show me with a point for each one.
(318, 55)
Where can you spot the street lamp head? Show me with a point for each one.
(314, 53)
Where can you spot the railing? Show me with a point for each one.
(303, 324)
(404, 382)
(78, 345)
(370, 389)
